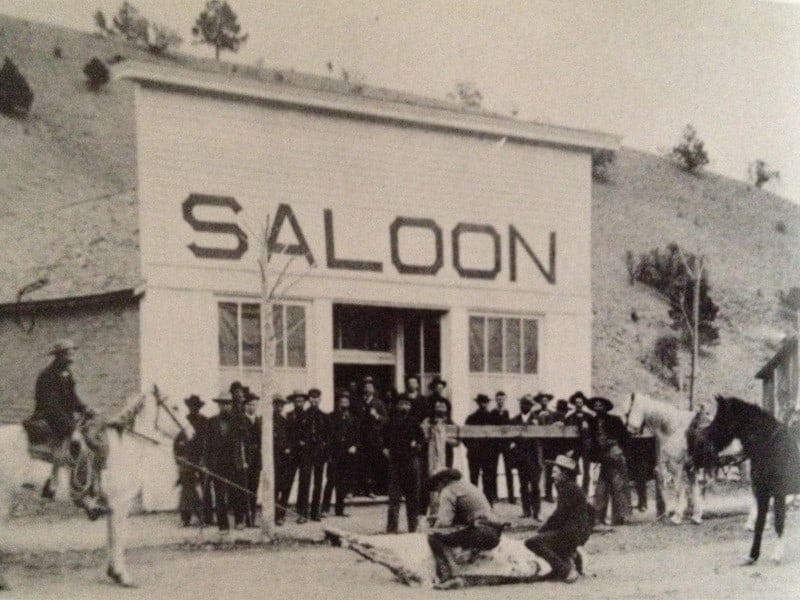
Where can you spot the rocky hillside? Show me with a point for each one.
(78, 146)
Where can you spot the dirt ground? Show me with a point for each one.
(641, 560)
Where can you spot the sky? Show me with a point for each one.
(640, 69)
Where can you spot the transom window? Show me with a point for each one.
(503, 344)
(240, 334)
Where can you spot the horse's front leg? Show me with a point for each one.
(780, 518)
(693, 481)
(762, 499)
(117, 570)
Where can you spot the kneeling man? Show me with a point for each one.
(462, 505)
(568, 527)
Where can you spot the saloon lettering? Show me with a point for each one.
(460, 237)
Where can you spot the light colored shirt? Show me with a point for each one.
(461, 503)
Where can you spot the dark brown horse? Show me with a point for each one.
(774, 461)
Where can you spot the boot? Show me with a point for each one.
(48, 493)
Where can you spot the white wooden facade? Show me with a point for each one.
(476, 225)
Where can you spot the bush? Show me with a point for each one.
(602, 160)
(690, 154)
(761, 174)
(161, 38)
(666, 351)
(96, 73)
(670, 273)
(16, 95)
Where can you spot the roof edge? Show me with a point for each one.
(789, 345)
(106, 298)
(244, 89)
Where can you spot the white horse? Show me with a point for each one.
(122, 480)
(669, 424)
(410, 558)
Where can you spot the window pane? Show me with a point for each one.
(278, 334)
(531, 346)
(495, 334)
(476, 355)
(251, 335)
(296, 336)
(512, 345)
(228, 335)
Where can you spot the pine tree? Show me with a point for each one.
(16, 95)
(218, 26)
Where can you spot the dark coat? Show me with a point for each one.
(225, 444)
(372, 425)
(609, 435)
(527, 449)
(280, 434)
(403, 437)
(571, 518)
(344, 432)
(293, 423)
(313, 432)
(56, 400)
(252, 442)
(477, 449)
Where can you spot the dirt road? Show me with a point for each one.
(636, 561)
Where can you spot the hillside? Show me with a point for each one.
(72, 161)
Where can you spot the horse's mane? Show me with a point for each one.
(753, 413)
(659, 415)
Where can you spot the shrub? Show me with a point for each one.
(602, 160)
(96, 73)
(761, 174)
(780, 227)
(161, 38)
(16, 95)
(690, 154)
(666, 351)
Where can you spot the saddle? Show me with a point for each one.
(85, 455)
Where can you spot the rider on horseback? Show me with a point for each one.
(57, 404)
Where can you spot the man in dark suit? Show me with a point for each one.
(481, 453)
(281, 449)
(188, 450)
(527, 452)
(57, 403)
(225, 457)
(374, 417)
(293, 422)
(342, 452)
(402, 443)
(502, 417)
(569, 526)
(313, 438)
(581, 418)
(252, 437)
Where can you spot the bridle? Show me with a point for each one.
(628, 414)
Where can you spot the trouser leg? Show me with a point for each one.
(316, 495)
(221, 496)
(508, 468)
(304, 484)
(551, 548)
(411, 493)
(395, 497)
(330, 483)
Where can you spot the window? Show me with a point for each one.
(240, 334)
(503, 345)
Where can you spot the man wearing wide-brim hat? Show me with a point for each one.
(57, 404)
(526, 452)
(569, 526)
(463, 505)
(582, 419)
(610, 438)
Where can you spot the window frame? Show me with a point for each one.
(490, 362)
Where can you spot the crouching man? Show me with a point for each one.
(568, 527)
(461, 505)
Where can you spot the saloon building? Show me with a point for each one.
(398, 235)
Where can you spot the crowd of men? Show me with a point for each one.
(372, 443)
